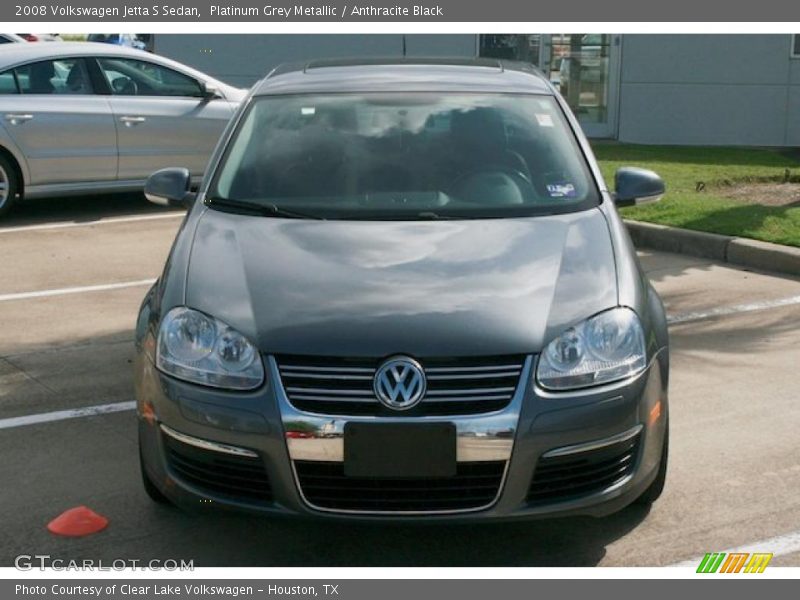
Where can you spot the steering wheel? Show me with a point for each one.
(482, 178)
(125, 86)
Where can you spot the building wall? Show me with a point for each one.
(673, 89)
(709, 90)
(242, 59)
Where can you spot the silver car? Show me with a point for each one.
(11, 38)
(86, 117)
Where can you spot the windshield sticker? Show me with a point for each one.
(307, 110)
(544, 120)
(561, 190)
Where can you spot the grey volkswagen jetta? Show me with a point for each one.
(403, 291)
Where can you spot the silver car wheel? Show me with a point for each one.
(5, 184)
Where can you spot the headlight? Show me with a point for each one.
(198, 348)
(605, 348)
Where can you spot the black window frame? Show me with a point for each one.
(13, 72)
(795, 46)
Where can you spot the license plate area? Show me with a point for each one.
(400, 450)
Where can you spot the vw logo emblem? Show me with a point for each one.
(399, 383)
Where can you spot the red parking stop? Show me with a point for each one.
(77, 522)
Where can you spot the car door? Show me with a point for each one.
(164, 118)
(65, 131)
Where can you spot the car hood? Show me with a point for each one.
(426, 288)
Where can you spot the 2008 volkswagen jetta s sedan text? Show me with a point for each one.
(403, 291)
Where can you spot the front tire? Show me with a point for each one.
(654, 490)
(9, 186)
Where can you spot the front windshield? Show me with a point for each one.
(404, 156)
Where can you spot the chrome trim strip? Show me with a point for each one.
(596, 444)
(208, 445)
(468, 391)
(468, 399)
(329, 391)
(314, 369)
(316, 375)
(336, 399)
(484, 375)
(473, 369)
(468, 449)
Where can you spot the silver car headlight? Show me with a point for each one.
(606, 347)
(195, 347)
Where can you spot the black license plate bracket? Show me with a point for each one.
(400, 450)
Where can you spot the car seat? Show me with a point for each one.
(39, 77)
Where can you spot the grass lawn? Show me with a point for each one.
(685, 168)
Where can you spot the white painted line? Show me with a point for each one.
(732, 310)
(780, 545)
(110, 221)
(75, 290)
(62, 415)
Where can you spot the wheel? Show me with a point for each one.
(9, 186)
(653, 492)
(150, 487)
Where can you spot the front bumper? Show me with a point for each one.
(536, 427)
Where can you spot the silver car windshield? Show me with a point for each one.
(403, 156)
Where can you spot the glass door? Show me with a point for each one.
(584, 67)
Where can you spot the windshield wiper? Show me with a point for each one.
(254, 208)
(433, 216)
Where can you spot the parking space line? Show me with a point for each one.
(75, 290)
(780, 545)
(732, 310)
(62, 415)
(111, 221)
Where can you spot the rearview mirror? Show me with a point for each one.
(635, 186)
(170, 187)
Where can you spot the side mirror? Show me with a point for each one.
(210, 91)
(635, 186)
(170, 187)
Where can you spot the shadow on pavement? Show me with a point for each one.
(78, 209)
(283, 542)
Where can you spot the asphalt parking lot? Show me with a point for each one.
(73, 273)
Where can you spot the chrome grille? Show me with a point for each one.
(456, 386)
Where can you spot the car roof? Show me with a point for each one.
(13, 37)
(12, 55)
(404, 74)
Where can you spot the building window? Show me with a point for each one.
(524, 47)
(796, 45)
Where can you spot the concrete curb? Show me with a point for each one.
(740, 251)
